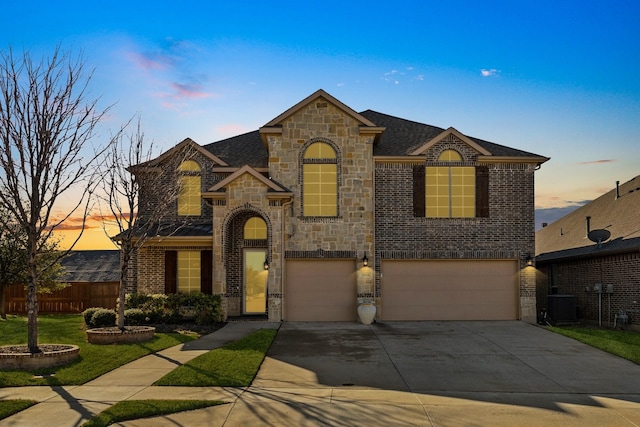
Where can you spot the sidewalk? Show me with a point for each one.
(71, 406)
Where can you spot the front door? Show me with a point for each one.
(255, 281)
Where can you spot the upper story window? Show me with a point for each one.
(255, 229)
(189, 197)
(320, 180)
(451, 191)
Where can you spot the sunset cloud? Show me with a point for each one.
(189, 91)
(595, 162)
(231, 129)
(148, 62)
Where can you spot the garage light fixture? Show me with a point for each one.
(529, 260)
(365, 260)
(266, 263)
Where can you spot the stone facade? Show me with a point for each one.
(375, 208)
(351, 232)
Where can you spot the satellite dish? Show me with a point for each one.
(599, 236)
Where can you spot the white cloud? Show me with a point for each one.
(492, 72)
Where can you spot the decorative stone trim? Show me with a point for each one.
(320, 253)
(453, 255)
(46, 359)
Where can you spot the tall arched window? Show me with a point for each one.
(189, 197)
(320, 180)
(450, 191)
(255, 229)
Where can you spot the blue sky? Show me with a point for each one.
(557, 78)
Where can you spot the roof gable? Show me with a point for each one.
(443, 135)
(313, 97)
(185, 144)
(272, 186)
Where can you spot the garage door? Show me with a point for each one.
(320, 290)
(450, 290)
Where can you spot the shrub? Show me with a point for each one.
(134, 317)
(135, 300)
(103, 318)
(88, 315)
(205, 309)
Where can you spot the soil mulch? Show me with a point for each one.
(44, 348)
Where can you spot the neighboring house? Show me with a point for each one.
(324, 208)
(569, 263)
(92, 267)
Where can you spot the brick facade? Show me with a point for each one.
(508, 232)
(573, 277)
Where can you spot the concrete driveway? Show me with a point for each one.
(436, 374)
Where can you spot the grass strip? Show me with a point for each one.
(625, 344)
(94, 360)
(135, 409)
(234, 365)
(10, 407)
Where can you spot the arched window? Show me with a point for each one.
(320, 180)
(450, 191)
(255, 229)
(189, 197)
(450, 156)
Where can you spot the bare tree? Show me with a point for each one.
(46, 123)
(129, 171)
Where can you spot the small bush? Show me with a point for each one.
(88, 315)
(103, 318)
(135, 317)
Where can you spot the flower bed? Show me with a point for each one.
(114, 335)
(19, 357)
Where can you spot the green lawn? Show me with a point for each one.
(94, 360)
(625, 344)
(10, 407)
(234, 365)
(134, 409)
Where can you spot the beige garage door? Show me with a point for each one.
(450, 290)
(320, 290)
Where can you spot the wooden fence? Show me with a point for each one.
(73, 299)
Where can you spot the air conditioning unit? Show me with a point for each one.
(562, 308)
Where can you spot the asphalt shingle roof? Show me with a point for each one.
(245, 149)
(567, 237)
(92, 266)
(400, 138)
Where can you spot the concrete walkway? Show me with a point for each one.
(392, 374)
(63, 406)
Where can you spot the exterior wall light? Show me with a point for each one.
(266, 264)
(529, 260)
(365, 260)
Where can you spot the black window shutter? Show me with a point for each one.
(482, 191)
(206, 271)
(419, 190)
(170, 272)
